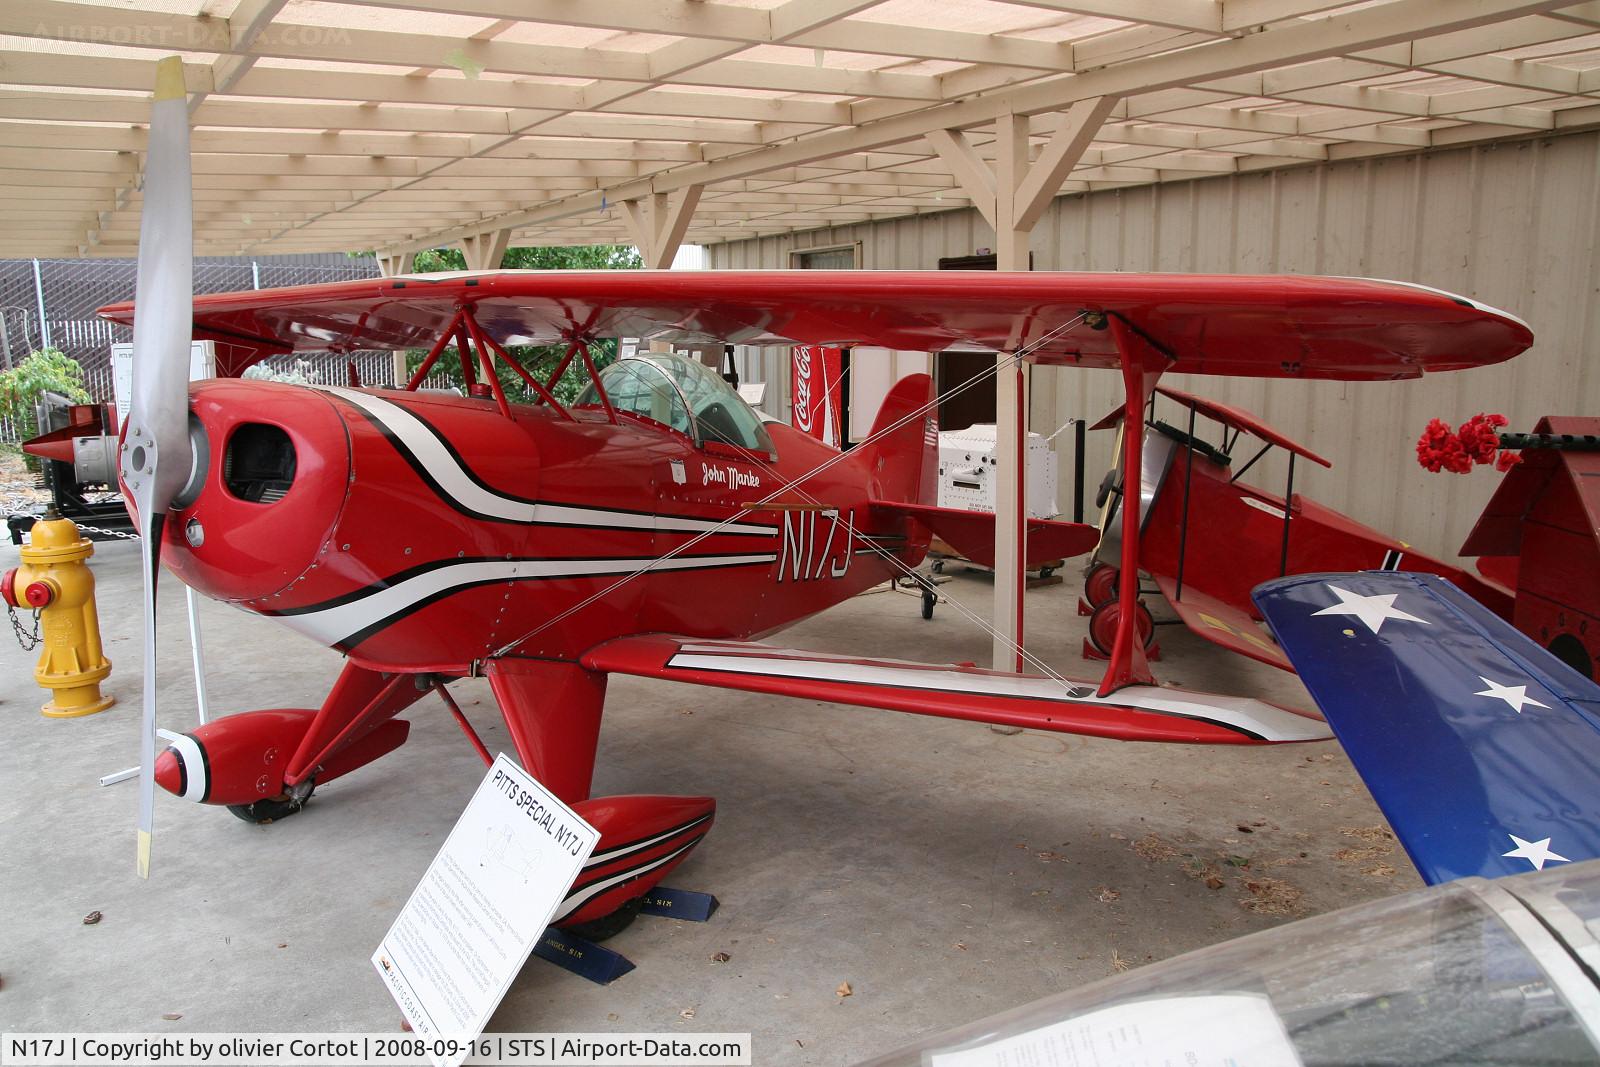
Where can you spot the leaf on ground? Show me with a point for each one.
(844, 990)
(172, 1016)
(1368, 833)
(92, 918)
(1272, 896)
(1105, 894)
(1154, 847)
(1358, 855)
(686, 1013)
(1117, 962)
(720, 957)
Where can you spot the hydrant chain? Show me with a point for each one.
(28, 641)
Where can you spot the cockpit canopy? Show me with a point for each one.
(684, 394)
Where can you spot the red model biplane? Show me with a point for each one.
(1207, 538)
(658, 526)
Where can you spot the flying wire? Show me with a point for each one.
(794, 485)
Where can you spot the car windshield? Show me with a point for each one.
(670, 388)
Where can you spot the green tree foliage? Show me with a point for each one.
(47, 370)
(540, 361)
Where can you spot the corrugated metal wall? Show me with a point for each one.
(1511, 223)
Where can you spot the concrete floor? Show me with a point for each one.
(943, 870)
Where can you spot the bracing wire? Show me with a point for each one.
(794, 485)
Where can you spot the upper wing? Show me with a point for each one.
(1482, 748)
(1135, 713)
(1235, 418)
(1269, 326)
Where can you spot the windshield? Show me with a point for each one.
(683, 393)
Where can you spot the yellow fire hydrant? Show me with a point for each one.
(56, 583)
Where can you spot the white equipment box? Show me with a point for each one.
(968, 469)
(202, 365)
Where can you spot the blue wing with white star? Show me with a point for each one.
(1482, 749)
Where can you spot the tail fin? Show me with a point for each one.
(904, 463)
(1482, 748)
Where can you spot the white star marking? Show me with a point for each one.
(1515, 695)
(1371, 610)
(1535, 852)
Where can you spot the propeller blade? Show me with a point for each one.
(156, 455)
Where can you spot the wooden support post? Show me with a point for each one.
(1011, 195)
(486, 251)
(658, 224)
(393, 263)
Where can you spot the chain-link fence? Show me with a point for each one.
(48, 303)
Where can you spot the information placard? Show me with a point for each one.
(483, 903)
(1206, 1030)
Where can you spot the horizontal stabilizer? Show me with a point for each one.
(1133, 713)
(1481, 748)
(971, 533)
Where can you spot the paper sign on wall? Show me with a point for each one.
(482, 905)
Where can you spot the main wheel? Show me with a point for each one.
(1103, 626)
(274, 808)
(1100, 587)
(608, 926)
(929, 599)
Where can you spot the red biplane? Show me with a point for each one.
(658, 526)
(1206, 537)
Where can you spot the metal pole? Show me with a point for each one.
(1188, 479)
(5, 338)
(255, 274)
(1288, 510)
(1080, 436)
(38, 292)
(199, 656)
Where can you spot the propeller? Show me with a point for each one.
(156, 454)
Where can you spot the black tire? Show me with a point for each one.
(938, 566)
(1046, 572)
(929, 599)
(607, 926)
(1103, 625)
(270, 810)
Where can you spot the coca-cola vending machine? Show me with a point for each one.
(817, 389)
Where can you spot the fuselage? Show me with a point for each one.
(420, 531)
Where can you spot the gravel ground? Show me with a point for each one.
(19, 489)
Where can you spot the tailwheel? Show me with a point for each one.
(1103, 626)
(1100, 587)
(929, 599)
(272, 809)
(608, 926)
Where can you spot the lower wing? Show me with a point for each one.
(1134, 713)
(1221, 624)
(1482, 748)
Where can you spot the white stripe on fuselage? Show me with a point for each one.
(332, 625)
(455, 482)
(1258, 717)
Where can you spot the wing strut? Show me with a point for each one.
(1142, 364)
